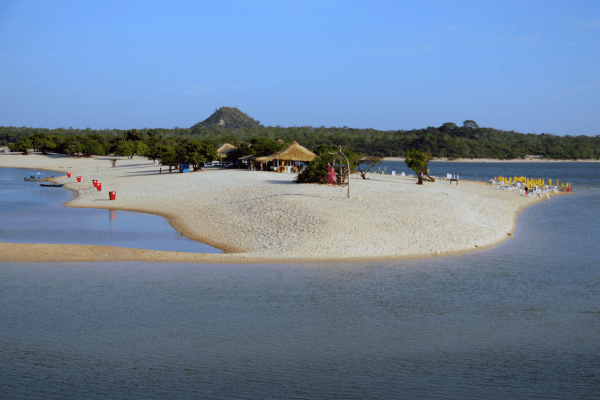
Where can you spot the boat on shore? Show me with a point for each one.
(38, 177)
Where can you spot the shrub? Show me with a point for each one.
(316, 171)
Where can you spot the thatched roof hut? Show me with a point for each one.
(247, 158)
(294, 152)
(225, 149)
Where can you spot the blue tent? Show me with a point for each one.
(184, 167)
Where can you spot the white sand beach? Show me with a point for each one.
(266, 217)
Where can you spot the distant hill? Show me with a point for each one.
(228, 118)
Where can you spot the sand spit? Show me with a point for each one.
(266, 217)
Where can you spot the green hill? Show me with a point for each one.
(228, 118)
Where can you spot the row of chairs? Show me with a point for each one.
(533, 192)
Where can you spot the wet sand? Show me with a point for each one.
(266, 217)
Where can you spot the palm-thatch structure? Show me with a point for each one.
(225, 149)
(288, 156)
(246, 159)
(294, 152)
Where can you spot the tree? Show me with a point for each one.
(242, 150)
(196, 159)
(133, 135)
(141, 149)
(366, 163)
(91, 146)
(447, 127)
(264, 146)
(418, 161)
(470, 124)
(72, 146)
(153, 142)
(168, 156)
(125, 148)
(42, 142)
(196, 152)
(23, 146)
(153, 153)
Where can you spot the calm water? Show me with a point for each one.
(521, 320)
(582, 175)
(30, 213)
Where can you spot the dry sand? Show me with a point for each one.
(266, 217)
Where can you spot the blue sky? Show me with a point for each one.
(528, 66)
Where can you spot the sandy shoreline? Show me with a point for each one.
(265, 217)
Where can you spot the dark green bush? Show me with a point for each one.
(316, 171)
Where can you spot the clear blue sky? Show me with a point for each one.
(528, 66)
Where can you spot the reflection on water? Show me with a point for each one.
(520, 320)
(112, 217)
(32, 214)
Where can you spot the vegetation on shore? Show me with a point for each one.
(230, 125)
(316, 171)
(418, 161)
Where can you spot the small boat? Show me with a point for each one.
(52, 184)
(38, 178)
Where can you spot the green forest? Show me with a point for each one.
(451, 140)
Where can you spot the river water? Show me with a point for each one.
(30, 213)
(518, 321)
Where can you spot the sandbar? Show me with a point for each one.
(258, 217)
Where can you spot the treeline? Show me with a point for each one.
(449, 140)
(168, 150)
